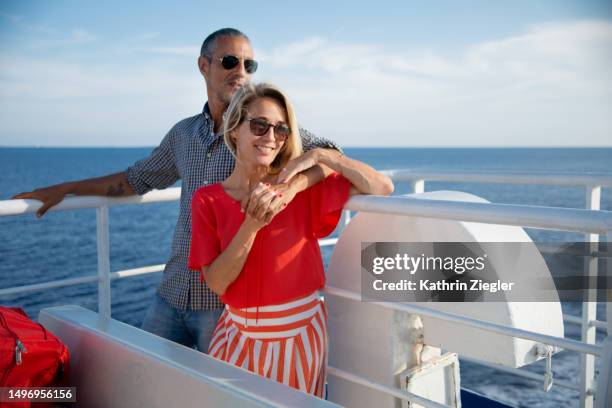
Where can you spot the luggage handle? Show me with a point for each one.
(19, 347)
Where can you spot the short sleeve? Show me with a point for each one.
(157, 171)
(205, 244)
(327, 200)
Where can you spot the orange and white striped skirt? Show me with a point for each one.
(286, 342)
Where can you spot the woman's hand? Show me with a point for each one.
(264, 202)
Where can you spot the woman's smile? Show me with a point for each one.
(265, 149)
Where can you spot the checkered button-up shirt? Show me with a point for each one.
(192, 153)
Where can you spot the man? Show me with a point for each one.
(185, 310)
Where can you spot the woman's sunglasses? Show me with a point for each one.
(260, 126)
(231, 61)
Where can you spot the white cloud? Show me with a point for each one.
(53, 102)
(547, 86)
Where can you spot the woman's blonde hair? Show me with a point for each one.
(236, 113)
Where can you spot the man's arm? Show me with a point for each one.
(114, 185)
(300, 173)
(156, 171)
(311, 141)
(287, 191)
(303, 164)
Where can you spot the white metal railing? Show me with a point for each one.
(592, 184)
(586, 220)
(558, 179)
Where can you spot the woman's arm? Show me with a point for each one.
(364, 178)
(226, 267)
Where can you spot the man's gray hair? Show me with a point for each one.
(210, 43)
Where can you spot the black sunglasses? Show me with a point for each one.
(260, 126)
(231, 61)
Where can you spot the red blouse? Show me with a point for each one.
(285, 260)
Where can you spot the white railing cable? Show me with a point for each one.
(48, 285)
(524, 373)
(469, 321)
(80, 280)
(598, 324)
(396, 392)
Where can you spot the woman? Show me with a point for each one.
(266, 269)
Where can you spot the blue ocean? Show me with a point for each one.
(62, 244)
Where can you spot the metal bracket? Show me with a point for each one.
(546, 351)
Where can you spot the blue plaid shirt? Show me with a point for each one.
(191, 152)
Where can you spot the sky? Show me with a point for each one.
(371, 74)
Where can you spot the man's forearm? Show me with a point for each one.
(364, 178)
(114, 185)
(309, 177)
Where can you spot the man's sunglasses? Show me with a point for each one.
(231, 61)
(260, 126)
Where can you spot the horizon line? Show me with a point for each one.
(344, 147)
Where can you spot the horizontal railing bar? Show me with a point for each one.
(469, 321)
(523, 373)
(396, 392)
(600, 325)
(564, 343)
(559, 179)
(603, 326)
(137, 271)
(48, 285)
(80, 280)
(114, 275)
(19, 207)
(328, 241)
(159, 268)
(564, 219)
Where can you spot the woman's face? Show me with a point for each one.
(260, 150)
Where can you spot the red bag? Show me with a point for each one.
(30, 356)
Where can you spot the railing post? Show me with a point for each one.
(346, 218)
(589, 306)
(603, 394)
(104, 289)
(418, 186)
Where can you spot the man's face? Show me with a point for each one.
(222, 83)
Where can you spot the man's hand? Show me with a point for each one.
(298, 165)
(113, 185)
(49, 196)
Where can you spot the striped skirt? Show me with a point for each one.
(286, 342)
